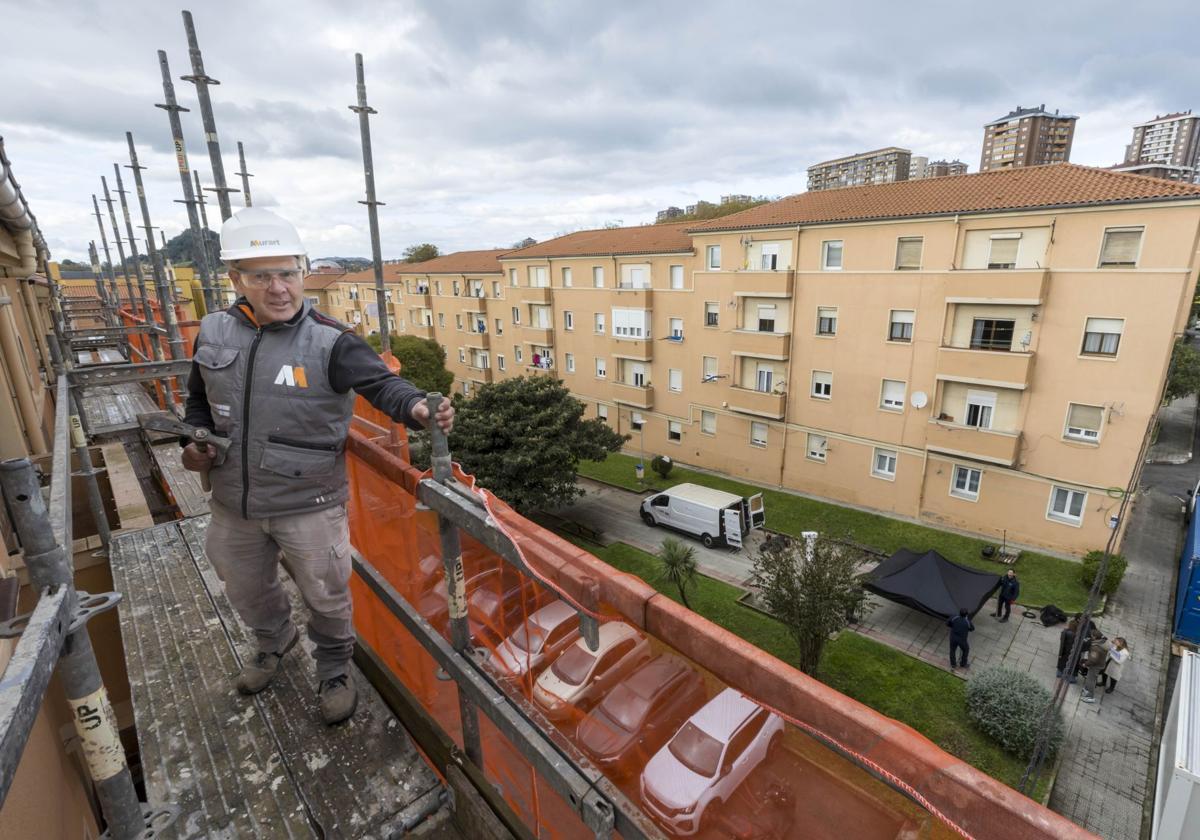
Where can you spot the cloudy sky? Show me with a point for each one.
(501, 120)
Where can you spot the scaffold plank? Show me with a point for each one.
(114, 408)
(183, 486)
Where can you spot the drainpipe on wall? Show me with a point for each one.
(11, 446)
(34, 314)
(13, 358)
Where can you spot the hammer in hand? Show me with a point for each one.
(164, 421)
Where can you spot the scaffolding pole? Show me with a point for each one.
(147, 312)
(246, 176)
(98, 277)
(107, 254)
(202, 80)
(116, 229)
(204, 228)
(364, 112)
(173, 110)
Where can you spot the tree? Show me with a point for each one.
(679, 566)
(522, 438)
(180, 248)
(813, 595)
(420, 253)
(1184, 378)
(525, 243)
(422, 361)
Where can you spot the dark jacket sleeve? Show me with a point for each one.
(354, 365)
(197, 411)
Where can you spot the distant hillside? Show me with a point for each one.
(350, 263)
(707, 210)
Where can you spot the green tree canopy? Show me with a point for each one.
(1184, 378)
(813, 595)
(522, 438)
(181, 252)
(420, 253)
(422, 361)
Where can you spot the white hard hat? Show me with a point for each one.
(255, 232)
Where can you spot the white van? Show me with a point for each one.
(712, 515)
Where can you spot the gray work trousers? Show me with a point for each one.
(316, 553)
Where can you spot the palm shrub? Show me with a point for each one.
(1008, 706)
(679, 566)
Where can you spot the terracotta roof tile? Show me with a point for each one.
(460, 262)
(605, 242)
(322, 280)
(1053, 185)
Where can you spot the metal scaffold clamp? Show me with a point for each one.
(88, 605)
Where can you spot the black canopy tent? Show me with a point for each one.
(930, 583)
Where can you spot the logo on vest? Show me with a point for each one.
(292, 376)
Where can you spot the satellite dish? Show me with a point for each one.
(919, 399)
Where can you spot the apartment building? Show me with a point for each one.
(881, 166)
(926, 350)
(1027, 137)
(1165, 147)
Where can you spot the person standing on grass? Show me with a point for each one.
(1010, 590)
(960, 643)
(1118, 655)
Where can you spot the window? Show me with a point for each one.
(602, 411)
(712, 314)
(354, 293)
(466, 388)
(770, 257)
(884, 465)
(674, 430)
(766, 317)
(1083, 422)
(539, 277)
(817, 444)
(1121, 247)
(675, 325)
(908, 252)
(709, 368)
(831, 255)
(454, 285)
(1102, 336)
(980, 406)
(495, 288)
(992, 334)
(499, 327)
(822, 384)
(713, 260)
(893, 395)
(568, 320)
(567, 279)
(636, 277)
(758, 434)
(458, 321)
(570, 362)
(500, 362)
(598, 276)
(637, 374)
(387, 295)
(900, 325)
(1002, 252)
(674, 379)
(763, 376)
(598, 322)
(518, 354)
(636, 421)
(965, 483)
(826, 320)
(516, 316)
(442, 320)
(1066, 505)
(676, 277)
(601, 370)
(708, 422)
(512, 277)
(462, 355)
(631, 323)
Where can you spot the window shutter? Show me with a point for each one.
(1120, 247)
(893, 393)
(903, 316)
(1087, 417)
(1004, 252)
(908, 253)
(1105, 325)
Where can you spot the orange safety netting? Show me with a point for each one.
(697, 758)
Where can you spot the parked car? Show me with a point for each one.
(636, 718)
(706, 760)
(435, 607)
(496, 607)
(540, 639)
(579, 676)
(712, 515)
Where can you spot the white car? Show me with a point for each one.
(543, 636)
(580, 677)
(706, 760)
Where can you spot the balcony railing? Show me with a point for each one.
(640, 396)
(1000, 447)
(753, 282)
(998, 367)
(998, 285)
(636, 298)
(480, 340)
(537, 335)
(754, 343)
(530, 294)
(760, 403)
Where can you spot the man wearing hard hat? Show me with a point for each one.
(278, 379)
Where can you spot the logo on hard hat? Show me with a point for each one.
(254, 243)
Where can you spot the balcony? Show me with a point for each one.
(529, 294)
(758, 283)
(633, 298)
(983, 444)
(419, 330)
(767, 344)
(538, 335)
(992, 367)
(997, 286)
(641, 350)
(481, 375)
(477, 340)
(759, 403)
(638, 396)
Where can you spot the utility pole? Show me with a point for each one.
(364, 112)
(202, 80)
(173, 109)
(107, 254)
(112, 219)
(246, 176)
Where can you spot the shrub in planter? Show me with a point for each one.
(662, 464)
(1116, 571)
(1008, 706)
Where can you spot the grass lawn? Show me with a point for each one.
(1044, 579)
(929, 700)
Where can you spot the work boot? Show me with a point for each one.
(259, 671)
(339, 699)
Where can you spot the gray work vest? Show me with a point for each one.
(269, 393)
